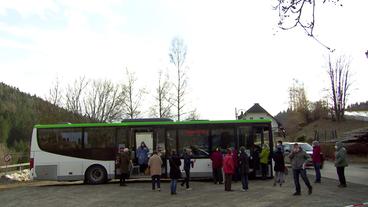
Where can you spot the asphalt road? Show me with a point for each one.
(354, 173)
(260, 194)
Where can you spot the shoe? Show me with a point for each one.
(280, 184)
(123, 184)
(158, 189)
(182, 184)
(173, 193)
(188, 189)
(297, 194)
(342, 186)
(244, 190)
(317, 181)
(220, 183)
(310, 190)
(274, 184)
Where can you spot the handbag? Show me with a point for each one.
(147, 171)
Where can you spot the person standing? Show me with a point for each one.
(188, 163)
(279, 168)
(299, 158)
(316, 158)
(340, 163)
(217, 161)
(265, 153)
(124, 166)
(154, 164)
(175, 173)
(228, 169)
(142, 155)
(243, 163)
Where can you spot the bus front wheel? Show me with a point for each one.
(96, 174)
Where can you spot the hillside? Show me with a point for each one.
(19, 112)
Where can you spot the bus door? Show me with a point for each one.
(262, 137)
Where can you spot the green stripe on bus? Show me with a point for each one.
(148, 123)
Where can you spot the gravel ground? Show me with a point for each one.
(261, 193)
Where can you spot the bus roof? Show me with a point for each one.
(150, 123)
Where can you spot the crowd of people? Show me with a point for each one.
(235, 166)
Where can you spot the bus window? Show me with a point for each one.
(171, 140)
(123, 139)
(194, 139)
(99, 143)
(159, 142)
(60, 141)
(223, 138)
(245, 138)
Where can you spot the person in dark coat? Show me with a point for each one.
(235, 155)
(188, 163)
(279, 168)
(243, 163)
(124, 166)
(175, 173)
(217, 160)
(340, 163)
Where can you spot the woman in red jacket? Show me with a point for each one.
(228, 169)
(316, 157)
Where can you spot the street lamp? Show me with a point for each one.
(237, 111)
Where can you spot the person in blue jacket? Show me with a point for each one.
(142, 156)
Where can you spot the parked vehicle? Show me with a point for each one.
(305, 146)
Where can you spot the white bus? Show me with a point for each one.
(88, 151)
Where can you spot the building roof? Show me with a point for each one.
(256, 108)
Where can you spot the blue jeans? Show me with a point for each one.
(317, 168)
(303, 174)
(155, 179)
(173, 185)
(244, 180)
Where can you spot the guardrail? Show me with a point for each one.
(17, 166)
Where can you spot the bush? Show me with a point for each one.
(301, 138)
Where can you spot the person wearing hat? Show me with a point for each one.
(340, 163)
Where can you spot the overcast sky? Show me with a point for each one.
(237, 56)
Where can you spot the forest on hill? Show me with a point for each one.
(20, 111)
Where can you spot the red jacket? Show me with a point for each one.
(216, 158)
(228, 164)
(316, 156)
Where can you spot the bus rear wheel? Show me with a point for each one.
(96, 174)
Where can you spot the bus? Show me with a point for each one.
(88, 151)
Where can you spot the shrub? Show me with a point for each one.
(301, 138)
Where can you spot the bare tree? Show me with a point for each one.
(294, 13)
(193, 115)
(177, 54)
(162, 107)
(73, 95)
(55, 93)
(104, 101)
(339, 74)
(298, 100)
(133, 96)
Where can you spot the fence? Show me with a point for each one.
(19, 167)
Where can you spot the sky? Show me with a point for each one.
(237, 55)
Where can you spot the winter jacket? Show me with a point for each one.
(316, 156)
(265, 153)
(187, 162)
(278, 157)
(340, 156)
(298, 159)
(154, 164)
(228, 164)
(217, 159)
(175, 163)
(243, 163)
(142, 155)
(124, 162)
